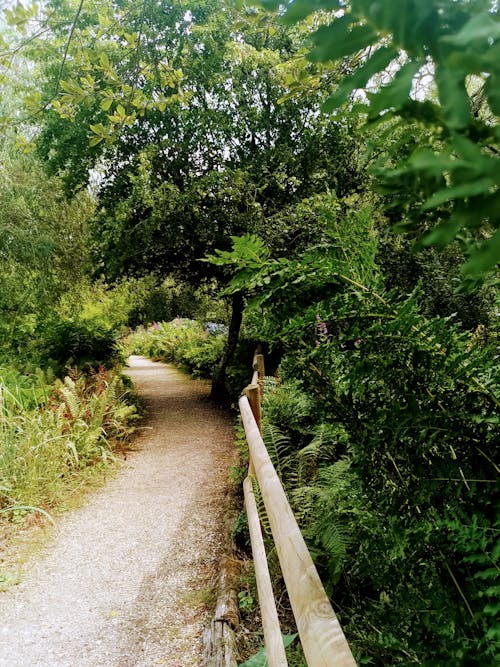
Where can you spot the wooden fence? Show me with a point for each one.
(321, 636)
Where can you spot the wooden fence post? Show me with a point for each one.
(261, 373)
(252, 392)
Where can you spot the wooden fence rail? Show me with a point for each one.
(321, 636)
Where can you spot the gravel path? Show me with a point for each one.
(126, 580)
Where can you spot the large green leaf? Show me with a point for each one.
(260, 658)
(396, 93)
(464, 190)
(376, 63)
(435, 163)
(469, 150)
(483, 27)
(485, 258)
(453, 96)
(340, 39)
(444, 233)
(300, 9)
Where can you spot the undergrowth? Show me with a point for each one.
(195, 348)
(51, 434)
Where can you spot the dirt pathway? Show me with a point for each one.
(126, 579)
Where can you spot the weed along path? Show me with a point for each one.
(127, 578)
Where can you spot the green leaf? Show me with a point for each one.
(301, 9)
(492, 609)
(464, 190)
(104, 60)
(337, 40)
(93, 141)
(260, 658)
(106, 103)
(435, 163)
(71, 87)
(453, 97)
(99, 130)
(376, 63)
(468, 149)
(486, 257)
(443, 234)
(396, 93)
(481, 27)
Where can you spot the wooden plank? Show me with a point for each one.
(322, 638)
(227, 592)
(270, 623)
(219, 644)
(219, 639)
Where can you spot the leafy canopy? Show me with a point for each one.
(436, 63)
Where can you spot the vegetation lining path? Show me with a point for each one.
(128, 577)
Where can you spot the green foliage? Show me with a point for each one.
(182, 341)
(288, 406)
(476, 546)
(435, 63)
(51, 434)
(406, 413)
(78, 343)
(240, 534)
(42, 249)
(328, 520)
(260, 658)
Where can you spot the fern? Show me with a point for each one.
(323, 448)
(68, 391)
(261, 509)
(277, 445)
(319, 508)
(288, 406)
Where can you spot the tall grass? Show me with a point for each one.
(50, 434)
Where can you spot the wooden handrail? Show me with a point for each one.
(270, 623)
(322, 638)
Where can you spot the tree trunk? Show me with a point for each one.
(219, 391)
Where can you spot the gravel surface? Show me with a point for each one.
(126, 578)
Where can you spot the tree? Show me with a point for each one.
(454, 47)
(221, 157)
(43, 247)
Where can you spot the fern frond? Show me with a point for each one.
(277, 445)
(261, 509)
(319, 508)
(304, 503)
(71, 399)
(335, 541)
(320, 450)
(326, 438)
(334, 475)
(271, 383)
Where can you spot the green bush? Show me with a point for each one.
(398, 495)
(83, 344)
(392, 531)
(182, 341)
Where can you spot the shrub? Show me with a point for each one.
(401, 512)
(83, 344)
(182, 341)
